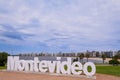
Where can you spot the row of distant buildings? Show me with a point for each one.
(108, 54)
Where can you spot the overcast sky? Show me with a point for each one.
(59, 25)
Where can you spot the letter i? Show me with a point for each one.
(58, 65)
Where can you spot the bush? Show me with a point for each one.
(114, 62)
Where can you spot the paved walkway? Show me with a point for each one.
(6, 75)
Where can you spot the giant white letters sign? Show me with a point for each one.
(57, 66)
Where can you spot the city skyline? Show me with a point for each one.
(59, 25)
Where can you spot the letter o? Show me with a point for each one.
(21, 65)
(85, 70)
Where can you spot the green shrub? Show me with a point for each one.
(114, 62)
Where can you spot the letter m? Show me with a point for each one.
(12, 62)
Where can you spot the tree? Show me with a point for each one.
(81, 56)
(114, 60)
(116, 57)
(76, 59)
(3, 58)
(87, 56)
(103, 57)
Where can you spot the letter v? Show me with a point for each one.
(51, 66)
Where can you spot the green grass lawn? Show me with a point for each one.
(106, 69)
(2, 67)
(111, 70)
